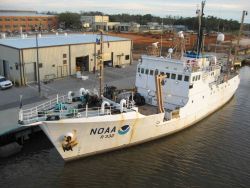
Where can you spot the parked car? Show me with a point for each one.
(60, 30)
(4, 83)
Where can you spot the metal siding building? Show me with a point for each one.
(59, 55)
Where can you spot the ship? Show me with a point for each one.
(171, 94)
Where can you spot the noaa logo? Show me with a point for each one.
(124, 129)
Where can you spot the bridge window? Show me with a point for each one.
(151, 72)
(186, 78)
(193, 78)
(173, 76)
(142, 70)
(199, 77)
(168, 75)
(179, 77)
(156, 72)
(146, 72)
(139, 69)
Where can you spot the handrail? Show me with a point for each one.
(65, 114)
(48, 104)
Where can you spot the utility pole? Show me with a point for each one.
(161, 35)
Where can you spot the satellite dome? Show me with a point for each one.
(220, 37)
(170, 50)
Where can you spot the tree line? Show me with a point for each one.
(71, 20)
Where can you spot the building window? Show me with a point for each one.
(15, 19)
(29, 19)
(179, 77)
(151, 72)
(40, 65)
(7, 26)
(15, 26)
(44, 19)
(16, 65)
(173, 76)
(23, 19)
(1, 26)
(186, 78)
(127, 57)
(64, 62)
(23, 25)
(196, 78)
(7, 19)
(64, 55)
(1, 19)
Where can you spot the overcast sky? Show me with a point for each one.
(229, 9)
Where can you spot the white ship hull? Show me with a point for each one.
(103, 133)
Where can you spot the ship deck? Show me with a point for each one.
(147, 109)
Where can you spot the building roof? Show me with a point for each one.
(26, 14)
(56, 40)
(22, 13)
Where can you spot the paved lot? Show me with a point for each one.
(9, 99)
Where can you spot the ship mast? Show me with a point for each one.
(200, 14)
(100, 57)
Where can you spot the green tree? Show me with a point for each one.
(71, 20)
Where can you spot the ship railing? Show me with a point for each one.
(33, 112)
(86, 112)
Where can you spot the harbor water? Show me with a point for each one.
(213, 153)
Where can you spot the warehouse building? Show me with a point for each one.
(59, 55)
